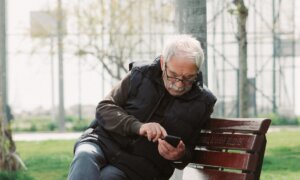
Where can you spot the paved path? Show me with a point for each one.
(45, 136)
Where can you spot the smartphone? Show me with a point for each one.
(173, 140)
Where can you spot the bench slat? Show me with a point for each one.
(239, 161)
(231, 144)
(254, 125)
(231, 141)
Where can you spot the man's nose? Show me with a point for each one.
(179, 83)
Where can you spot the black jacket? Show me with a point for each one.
(141, 97)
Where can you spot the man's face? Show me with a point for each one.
(179, 74)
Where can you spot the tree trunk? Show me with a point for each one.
(9, 160)
(242, 14)
(191, 19)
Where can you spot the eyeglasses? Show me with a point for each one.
(185, 81)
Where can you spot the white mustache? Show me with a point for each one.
(174, 87)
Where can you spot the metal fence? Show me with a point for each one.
(102, 37)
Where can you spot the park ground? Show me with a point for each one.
(47, 156)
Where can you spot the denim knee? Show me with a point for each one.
(112, 173)
(87, 162)
(88, 151)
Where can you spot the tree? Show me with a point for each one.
(113, 31)
(109, 32)
(191, 19)
(9, 160)
(241, 12)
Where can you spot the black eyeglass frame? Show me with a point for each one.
(186, 82)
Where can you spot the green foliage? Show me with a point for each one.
(298, 119)
(52, 126)
(71, 119)
(33, 128)
(78, 124)
(34, 124)
(278, 119)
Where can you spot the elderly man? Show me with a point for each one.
(127, 140)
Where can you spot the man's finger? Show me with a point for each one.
(164, 132)
(158, 133)
(149, 134)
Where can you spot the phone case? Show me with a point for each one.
(173, 140)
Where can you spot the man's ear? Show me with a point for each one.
(162, 63)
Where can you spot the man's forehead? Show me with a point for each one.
(182, 68)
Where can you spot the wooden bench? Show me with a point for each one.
(230, 149)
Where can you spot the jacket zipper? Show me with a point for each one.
(155, 108)
(148, 119)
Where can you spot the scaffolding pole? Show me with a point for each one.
(60, 67)
(293, 59)
(3, 65)
(274, 59)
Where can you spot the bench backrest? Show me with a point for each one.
(231, 148)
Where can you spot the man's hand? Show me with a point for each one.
(169, 152)
(153, 131)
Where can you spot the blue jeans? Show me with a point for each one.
(89, 163)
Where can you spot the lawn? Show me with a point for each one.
(45, 160)
(49, 160)
(282, 157)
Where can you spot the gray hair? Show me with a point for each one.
(184, 45)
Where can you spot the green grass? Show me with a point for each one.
(282, 157)
(50, 160)
(46, 160)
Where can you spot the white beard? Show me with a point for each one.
(179, 89)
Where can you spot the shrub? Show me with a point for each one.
(33, 128)
(52, 126)
(80, 125)
(278, 119)
(33, 124)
